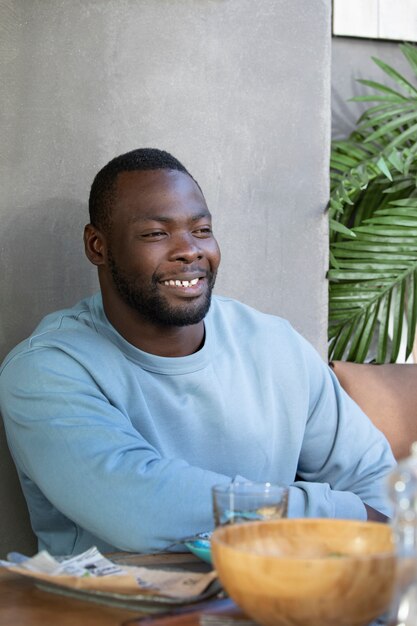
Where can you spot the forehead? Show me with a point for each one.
(146, 192)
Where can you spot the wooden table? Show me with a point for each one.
(22, 603)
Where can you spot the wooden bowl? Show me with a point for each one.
(307, 572)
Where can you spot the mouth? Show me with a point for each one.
(187, 287)
(181, 283)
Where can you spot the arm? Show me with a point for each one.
(342, 451)
(92, 465)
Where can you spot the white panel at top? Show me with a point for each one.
(376, 19)
(357, 18)
(398, 19)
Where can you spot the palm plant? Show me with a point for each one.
(373, 225)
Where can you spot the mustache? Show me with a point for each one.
(182, 271)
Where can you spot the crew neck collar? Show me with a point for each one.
(151, 362)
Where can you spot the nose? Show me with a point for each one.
(185, 248)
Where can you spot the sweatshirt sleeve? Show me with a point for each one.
(345, 459)
(91, 464)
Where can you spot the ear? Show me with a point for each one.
(94, 245)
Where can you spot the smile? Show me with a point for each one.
(181, 283)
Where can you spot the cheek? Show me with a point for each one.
(133, 259)
(215, 255)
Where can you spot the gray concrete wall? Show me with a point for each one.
(236, 89)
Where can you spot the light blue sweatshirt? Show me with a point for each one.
(120, 448)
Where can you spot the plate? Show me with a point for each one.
(139, 602)
(200, 546)
(145, 603)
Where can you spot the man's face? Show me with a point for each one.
(162, 255)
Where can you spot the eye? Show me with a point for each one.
(203, 231)
(155, 234)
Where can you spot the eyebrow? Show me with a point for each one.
(165, 219)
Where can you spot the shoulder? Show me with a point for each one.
(235, 308)
(272, 338)
(241, 316)
(73, 330)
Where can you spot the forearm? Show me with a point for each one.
(308, 499)
(319, 500)
(127, 502)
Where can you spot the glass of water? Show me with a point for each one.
(239, 502)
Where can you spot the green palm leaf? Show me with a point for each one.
(375, 115)
(374, 280)
(399, 122)
(389, 94)
(373, 224)
(400, 80)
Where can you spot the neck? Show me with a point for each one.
(167, 341)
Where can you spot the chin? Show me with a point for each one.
(181, 316)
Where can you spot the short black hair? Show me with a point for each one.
(102, 193)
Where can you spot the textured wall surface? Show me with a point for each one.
(238, 90)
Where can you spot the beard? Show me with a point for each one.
(153, 306)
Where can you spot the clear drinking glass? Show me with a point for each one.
(239, 502)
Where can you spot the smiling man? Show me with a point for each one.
(157, 257)
(122, 412)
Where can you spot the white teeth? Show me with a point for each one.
(181, 283)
